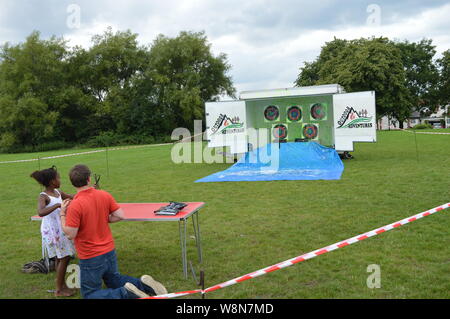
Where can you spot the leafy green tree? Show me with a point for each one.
(31, 76)
(111, 62)
(51, 74)
(25, 122)
(444, 87)
(360, 65)
(185, 74)
(310, 72)
(34, 66)
(50, 92)
(422, 74)
(106, 71)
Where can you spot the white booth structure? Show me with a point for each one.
(323, 113)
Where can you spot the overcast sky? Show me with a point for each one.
(266, 41)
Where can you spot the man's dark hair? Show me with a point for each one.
(79, 175)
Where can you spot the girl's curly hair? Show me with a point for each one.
(45, 176)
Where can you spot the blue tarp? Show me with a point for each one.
(284, 161)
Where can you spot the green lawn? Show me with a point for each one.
(246, 226)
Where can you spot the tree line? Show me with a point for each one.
(53, 95)
(118, 91)
(405, 75)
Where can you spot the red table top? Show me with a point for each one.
(145, 211)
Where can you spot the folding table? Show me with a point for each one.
(145, 212)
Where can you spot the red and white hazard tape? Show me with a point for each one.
(176, 294)
(307, 256)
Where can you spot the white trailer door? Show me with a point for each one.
(354, 119)
(226, 125)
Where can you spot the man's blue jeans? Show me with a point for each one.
(104, 268)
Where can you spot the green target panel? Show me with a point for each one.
(294, 113)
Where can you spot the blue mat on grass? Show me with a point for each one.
(284, 161)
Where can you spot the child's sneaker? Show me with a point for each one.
(155, 285)
(135, 291)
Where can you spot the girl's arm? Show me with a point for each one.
(65, 196)
(42, 210)
(71, 232)
(116, 216)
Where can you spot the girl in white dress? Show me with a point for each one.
(54, 241)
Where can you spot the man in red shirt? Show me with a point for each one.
(86, 219)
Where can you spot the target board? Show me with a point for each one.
(271, 113)
(280, 131)
(311, 131)
(318, 111)
(294, 114)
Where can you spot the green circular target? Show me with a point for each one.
(310, 131)
(271, 113)
(280, 131)
(294, 114)
(318, 111)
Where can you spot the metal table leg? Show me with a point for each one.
(198, 241)
(183, 241)
(182, 231)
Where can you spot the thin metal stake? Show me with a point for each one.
(107, 162)
(202, 282)
(193, 272)
(417, 152)
(198, 243)
(185, 249)
(180, 230)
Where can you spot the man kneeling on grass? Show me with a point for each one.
(85, 219)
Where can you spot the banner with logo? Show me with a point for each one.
(354, 119)
(226, 125)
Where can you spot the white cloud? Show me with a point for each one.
(277, 65)
(82, 36)
(266, 41)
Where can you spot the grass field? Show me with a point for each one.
(435, 130)
(246, 226)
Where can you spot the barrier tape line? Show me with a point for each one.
(139, 146)
(432, 133)
(97, 151)
(307, 256)
(81, 153)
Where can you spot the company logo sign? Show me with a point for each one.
(350, 118)
(227, 125)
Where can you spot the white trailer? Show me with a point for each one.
(322, 113)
